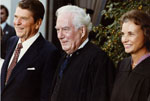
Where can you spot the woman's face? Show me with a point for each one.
(132, 37)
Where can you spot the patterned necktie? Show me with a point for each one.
(14, 61)
(63, 66)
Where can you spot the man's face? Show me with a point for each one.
(69, 37)
(24, 24)
(3, 15)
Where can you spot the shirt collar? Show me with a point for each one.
(83, 44)
(29, 41)
(142, 58)
(3, 25)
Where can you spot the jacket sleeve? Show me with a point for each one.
(50, 65)
(103, 77)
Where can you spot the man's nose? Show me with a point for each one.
(60, 34)
(18, 21)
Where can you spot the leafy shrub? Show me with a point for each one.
(108, 37)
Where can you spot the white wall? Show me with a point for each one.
(11, 5)
(8, 5)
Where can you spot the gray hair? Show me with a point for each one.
(80, 17)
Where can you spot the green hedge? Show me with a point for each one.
(108, 37)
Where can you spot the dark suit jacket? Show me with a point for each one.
(9, 31)
(30, 85)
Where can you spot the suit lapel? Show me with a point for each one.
(6, 29)
(27, 59)
(11, 48)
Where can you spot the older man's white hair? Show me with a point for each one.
(80, 17)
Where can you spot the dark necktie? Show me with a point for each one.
(58, 80)
(63, 66)
(14, 61)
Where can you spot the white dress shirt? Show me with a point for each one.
(3, 25)
(26, 44)
(1, 63)
(84, 43)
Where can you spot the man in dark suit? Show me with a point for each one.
(29, 76)
(1, 60)
(85, 73)
(8, 30)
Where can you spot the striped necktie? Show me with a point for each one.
(14, 61)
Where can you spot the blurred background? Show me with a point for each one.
(94, 7)
(105, 16)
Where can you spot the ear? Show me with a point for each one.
(83, 31)
(38, 23)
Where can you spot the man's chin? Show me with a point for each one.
(65, 49)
